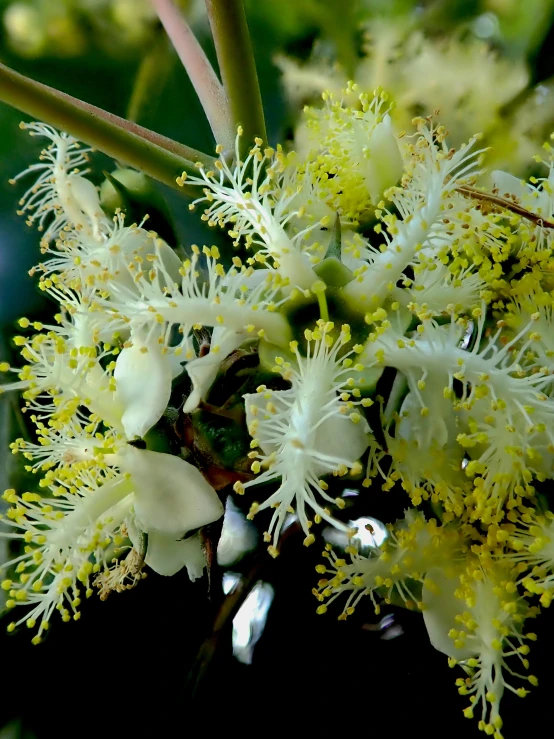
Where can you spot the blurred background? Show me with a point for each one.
(251, 656)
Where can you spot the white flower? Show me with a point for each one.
(221, 299)
(82, 262)
(63, 366)
(313, 429)
(506, 409)
(433, 174)
(65, 538)
(90, 250)
(99, 488)
(170, 495)
(61, 196)
(476, 619)
(412, 547)
(355, 155)
(255, 200)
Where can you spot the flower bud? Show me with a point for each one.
(384, 166)
(83, 202)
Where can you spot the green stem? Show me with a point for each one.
(157, 156)
(19, 418)
(201, 73)
(237, 67)
(319, 288)
(151, 78)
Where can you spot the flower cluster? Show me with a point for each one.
(401, 318)
(84, 383)
(475, 86)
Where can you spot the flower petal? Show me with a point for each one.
(167, 555)
(385, 163)
(85, 196)
(143, 373)
(203, 371)
(440, 611)
(340, 437)
(171, 495)
(507, 184)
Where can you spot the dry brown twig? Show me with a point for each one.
(505, 204)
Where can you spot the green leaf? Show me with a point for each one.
(333, 272)
(335, 245)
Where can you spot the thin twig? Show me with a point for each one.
(205, 82)
(227, 612)
(123, 140)
(237, 68)
(505, 204)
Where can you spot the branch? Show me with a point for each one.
(237, 67)
(205, 82)
(228, 610)
(503, 203)
(157, 156)
(151, 78)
